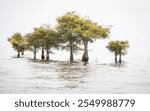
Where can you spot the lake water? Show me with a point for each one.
(99, 75)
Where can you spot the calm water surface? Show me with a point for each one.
(98, 76)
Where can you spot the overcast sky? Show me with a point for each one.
(130, 18)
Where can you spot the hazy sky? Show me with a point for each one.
(130, 18)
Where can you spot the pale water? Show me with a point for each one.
(100, 75)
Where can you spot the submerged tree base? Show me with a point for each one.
(42, 57)
(85, 58)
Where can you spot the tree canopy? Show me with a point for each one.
(76, 30)
(91, 31)
(67, 28)
(71, 32)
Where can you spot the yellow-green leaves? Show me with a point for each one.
(118, 46)
(18, 42)
(71, 32)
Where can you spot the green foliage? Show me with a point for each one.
(18, 42)
(68, 26)
(118, 47)
(93, 31)
(32, 40)
(68, 30)
(71, 32)
(50, 38)
(43, 36)
(76, 30)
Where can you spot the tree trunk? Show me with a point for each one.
(42, 55)
(71, 51)
(47, 55)
(71, 55)
(18, 55)
(34, 52)
(85, 56)
(22, 53)
(120, 58)
(115, 58)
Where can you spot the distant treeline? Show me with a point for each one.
(69, 34)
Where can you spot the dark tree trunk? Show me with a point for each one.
(85, 56)
(18, 55)
(71, 55)
(120, 60)
(71, 51)
(47, 55)
(34, 52)
(42, 55)
(115, 58)
(22, 53)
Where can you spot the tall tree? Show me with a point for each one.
(90, 31)
(40, 33)
(118, 48)
(67, 27)
(34, 42)
(76, 29)
(51, 40)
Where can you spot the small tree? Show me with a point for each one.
(118, 48)
(18, 42)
